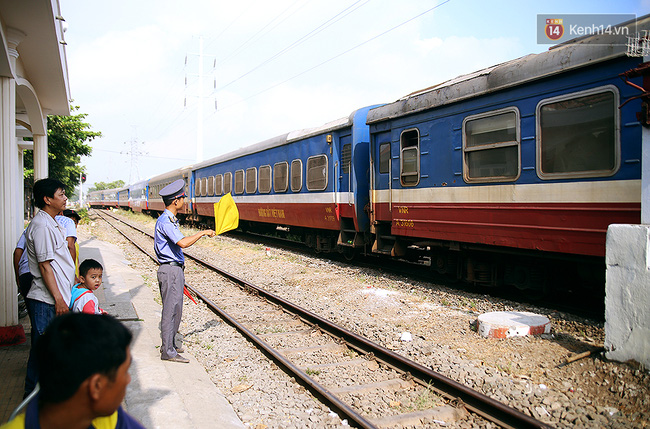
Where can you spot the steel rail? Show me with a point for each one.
(317, 389)
(475, 401)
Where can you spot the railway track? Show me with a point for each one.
(339, 366)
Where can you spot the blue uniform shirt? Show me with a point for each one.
(166, 236)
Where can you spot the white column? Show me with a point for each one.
(20, 204)
(627, 294)
(9, 186)
(40, 157)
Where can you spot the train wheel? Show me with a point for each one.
(348, 253)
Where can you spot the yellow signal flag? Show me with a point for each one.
(226, 215)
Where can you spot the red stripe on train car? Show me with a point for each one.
(309, 215)
(577, 228)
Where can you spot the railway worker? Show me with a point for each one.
(168, 244)
(84, 364)
(51, 265)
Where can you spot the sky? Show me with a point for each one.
(271, 66)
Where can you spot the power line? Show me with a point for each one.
(144, 156)
(336, 56)
(331, 21)
(254, 36)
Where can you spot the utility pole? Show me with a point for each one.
(201, 96)
(82, 179)
(134, 152)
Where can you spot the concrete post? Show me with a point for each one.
(40, 157)
(627, 290)
(9, 223)
(11, 186)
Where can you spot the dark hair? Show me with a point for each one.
(89, 264)
(167, 201)
(71, 214)
(74, 347)
(46, 188)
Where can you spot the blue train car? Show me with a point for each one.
(110, 198)
(313, 181)
(155, 185)
(95, 199)
(138, 196)
(536, 156)
(123, 197)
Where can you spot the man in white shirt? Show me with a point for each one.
(50, 263)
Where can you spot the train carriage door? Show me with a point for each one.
(345, 176)
(190, 196)
(382, 166)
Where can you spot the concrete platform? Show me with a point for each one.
(507, 324)
(161, 394)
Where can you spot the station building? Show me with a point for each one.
(33, 84)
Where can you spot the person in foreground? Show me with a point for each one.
(84, 361)
(50, 264)
(168, 244)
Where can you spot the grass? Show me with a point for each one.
(269, 330)
(310, 371)
(426, 400)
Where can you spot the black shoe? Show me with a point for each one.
(178, 350)
(177, 358)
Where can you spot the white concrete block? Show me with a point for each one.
(627, 299)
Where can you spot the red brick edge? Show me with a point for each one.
(12, 335)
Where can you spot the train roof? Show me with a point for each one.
(281, 140)
(171, 173)
(572, 54)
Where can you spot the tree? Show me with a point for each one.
(100, 186)
(67, 137)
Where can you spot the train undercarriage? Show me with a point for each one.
(535, 274)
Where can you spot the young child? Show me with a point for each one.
(83, 299)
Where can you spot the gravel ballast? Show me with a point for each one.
(521, 372)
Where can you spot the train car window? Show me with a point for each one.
(197, 188)
(265, 179)
(204, 187)
(251, 180)
(491, 146)
(410, 157)
(578, 134)
(239, 182)
(346, 158)
(218, 184)
(384, 158)
(296, 175)
(281, 176)
(210, 186)
(227, 183)
(317, 173)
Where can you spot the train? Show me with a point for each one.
(506, 176)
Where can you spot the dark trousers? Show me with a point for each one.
(171, 280)
(40, 316)
(25, 283)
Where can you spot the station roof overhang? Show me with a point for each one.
(41, 71)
